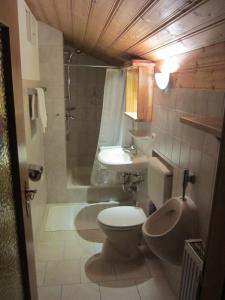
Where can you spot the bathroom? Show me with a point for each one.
(95, 211)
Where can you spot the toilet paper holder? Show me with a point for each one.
(35, 172)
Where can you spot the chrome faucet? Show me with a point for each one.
(130, 149)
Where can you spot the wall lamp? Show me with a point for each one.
(168, 66)
(162, 80)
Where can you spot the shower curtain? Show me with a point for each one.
(113, 126)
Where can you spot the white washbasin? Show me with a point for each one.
(115, 158)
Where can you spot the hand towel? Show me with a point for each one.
(42, 114)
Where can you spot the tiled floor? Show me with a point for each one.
(69, 268)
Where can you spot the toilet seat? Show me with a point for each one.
(122, 217)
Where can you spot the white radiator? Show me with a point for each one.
(191, 269)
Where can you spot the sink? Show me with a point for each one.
(116, 159)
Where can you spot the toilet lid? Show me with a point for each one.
(122, 216)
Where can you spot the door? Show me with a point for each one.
(17, 265)
(214, 270)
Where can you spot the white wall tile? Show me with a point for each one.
(184, 155)
(187, 147)
(52, 77)
(176, 151)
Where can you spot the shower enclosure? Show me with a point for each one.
(84, 88)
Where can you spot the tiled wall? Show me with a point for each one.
(87, 88)
(52, 77)
(186, 147)
(28, 50)
(35, 155)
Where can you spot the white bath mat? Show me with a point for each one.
(80, 216)
(63, 217)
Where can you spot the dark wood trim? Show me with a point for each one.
(214, 269)
(7, 66)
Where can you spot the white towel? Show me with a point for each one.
(42, 114)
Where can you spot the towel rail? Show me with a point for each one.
(32, 91)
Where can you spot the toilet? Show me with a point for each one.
(122, 227)
(174, 220)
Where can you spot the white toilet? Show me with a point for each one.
(122, 227)
(173, 221)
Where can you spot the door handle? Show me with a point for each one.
(29, 195)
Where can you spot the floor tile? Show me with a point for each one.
(62, 272)
(63, 216)
(132, 270)
(122, 290)
(78, 249)
(84, 274)
(156, 288)
(40, 272)
(96, 270)
(154, 266)
(92, 235)
(63, 235)
(49, 293)
(84, 291)
(98, 247)
(50, 251)
(69, 258)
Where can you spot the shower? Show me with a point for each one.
(84, 88)
(68, 55)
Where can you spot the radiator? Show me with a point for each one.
(192, 266)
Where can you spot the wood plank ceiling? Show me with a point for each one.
(118, 30)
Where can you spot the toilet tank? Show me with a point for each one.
(159, 182)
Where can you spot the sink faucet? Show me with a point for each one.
(130, 149)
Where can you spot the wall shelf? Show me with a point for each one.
(207, 124)
(140, 133)
(132, 115)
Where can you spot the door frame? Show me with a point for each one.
(213, 285)
(14, 161)
(17, 142)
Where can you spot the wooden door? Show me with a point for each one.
(12, 99)
(214, 270)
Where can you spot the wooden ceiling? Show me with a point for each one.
(118, 30)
